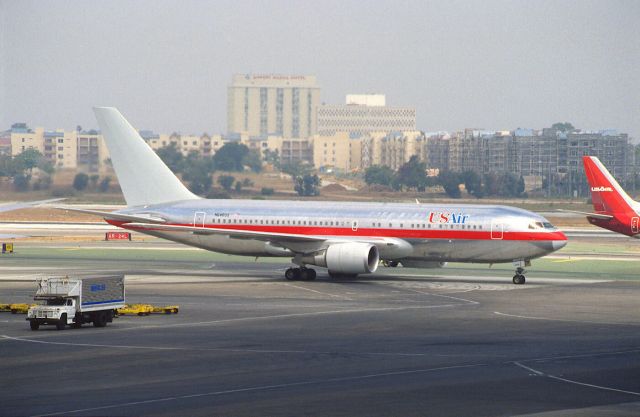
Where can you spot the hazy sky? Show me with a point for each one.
(167, 64)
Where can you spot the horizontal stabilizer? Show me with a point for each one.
(117, 216)
(599, 216)
(26, 204)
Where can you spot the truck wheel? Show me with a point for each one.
(34, 325)
(60, 325)
(100, 320)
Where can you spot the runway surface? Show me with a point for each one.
(403, 342)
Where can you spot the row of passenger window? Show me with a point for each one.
(344, 224)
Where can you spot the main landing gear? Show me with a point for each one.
(300, 274)
(519, 278)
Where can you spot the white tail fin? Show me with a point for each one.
(142, 175)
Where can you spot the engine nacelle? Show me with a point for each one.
(423, 264)
(347, 258)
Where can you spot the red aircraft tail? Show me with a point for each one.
(609, 200)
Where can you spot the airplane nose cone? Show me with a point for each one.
(558, 244)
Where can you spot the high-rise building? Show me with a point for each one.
(365, 113)
(278, 105)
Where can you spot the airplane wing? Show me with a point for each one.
(598, 216)
(295, 242)
(16, 206)
(117, 216)
(234, 233)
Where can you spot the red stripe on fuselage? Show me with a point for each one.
(454, 234)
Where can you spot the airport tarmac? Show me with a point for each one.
(247, 342)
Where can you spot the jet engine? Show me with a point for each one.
(347, 258)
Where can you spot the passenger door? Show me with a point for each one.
(634, 224)
(497, 230)
(198, 219)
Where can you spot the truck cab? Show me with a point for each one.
(59, 311)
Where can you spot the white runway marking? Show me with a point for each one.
(286, 316)
(570, 381)
(315, 313)
(562, 320)
(581, 355)
(265, 388)
(464, 300)
(234, 350)
(316, 291)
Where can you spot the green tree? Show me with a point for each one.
(297, 169)
(230, 157)
(42, 183)
(377, 174)
(272, 157)
(93, 180)
(6, 166)
(520, 187)
(104, 184)
(253, 160)
(563, 127)
(197, 172)
(307, 185)
(504, 185)
(80, 181)
(21, 182)
(46, 166)
(450, 181)
(172, 157)
(226, 181)
(413, 174)
(473, 183)
(27, 160)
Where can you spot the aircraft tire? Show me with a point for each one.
(290, 274)
(519, 279)
(311, 275)
(60, 325)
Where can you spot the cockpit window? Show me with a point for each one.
(541, 225)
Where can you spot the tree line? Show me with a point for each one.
(20, 168)
(413, 175)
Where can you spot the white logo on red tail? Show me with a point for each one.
(601, 189)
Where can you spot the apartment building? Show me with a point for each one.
(541, 157)
(363, 114)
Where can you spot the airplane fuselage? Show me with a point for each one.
(405, 232)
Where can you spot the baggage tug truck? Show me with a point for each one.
(75, 301)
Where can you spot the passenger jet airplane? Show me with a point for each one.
(614, 209)
(346, 238)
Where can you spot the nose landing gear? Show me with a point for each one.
(519, 277)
